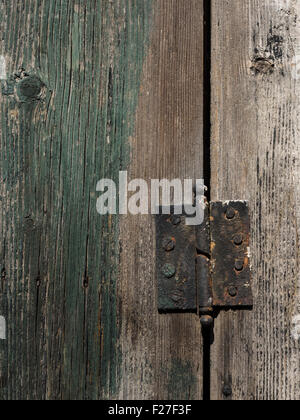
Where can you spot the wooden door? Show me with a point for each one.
(255, 156)
(89, 88)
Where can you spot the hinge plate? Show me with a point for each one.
(207, 265)
(175, 264)
(230, 251)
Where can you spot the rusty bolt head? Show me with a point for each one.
(168, 244)
(239, 265)
(230, 213)
(238, 239)
(232, 291)
(176, 220)
(169, 271)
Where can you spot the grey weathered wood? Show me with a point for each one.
(162, 354)
(255, 156)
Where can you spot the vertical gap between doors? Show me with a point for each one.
(207, 167)
(207, 95)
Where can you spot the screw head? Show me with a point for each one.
(239, 265)
(232, 291)
(169, 270)
(238, 239)
(168, 244)
(176, 220)
(230, 213)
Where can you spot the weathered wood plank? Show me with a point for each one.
(162, 354)
(255, 156)
(70, 72)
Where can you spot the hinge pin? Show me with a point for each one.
(207, 322)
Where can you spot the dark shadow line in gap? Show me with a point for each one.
(207, 338)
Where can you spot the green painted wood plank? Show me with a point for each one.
(69, 93)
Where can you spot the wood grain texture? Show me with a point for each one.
(70, 72)
(162, 354)
(255, 156)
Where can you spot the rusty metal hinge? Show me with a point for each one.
(204, 268)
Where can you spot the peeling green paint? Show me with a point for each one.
(65, 124)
